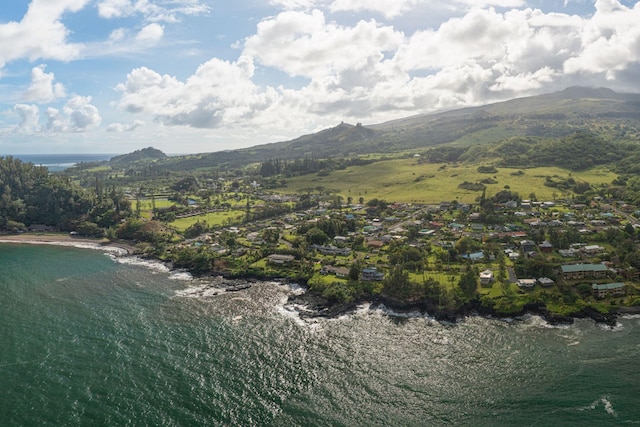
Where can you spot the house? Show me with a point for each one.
(341, 240)
(546, 247)
(371, 274)
(527, 246)
(375, 244)
(567, 253)
(583, 271)
(486, 277)
(474, 256)
(338, 271)
(526, 283)
(608, 289)
(545, 281)
(591, 249)
(330, 250)
(280, 259)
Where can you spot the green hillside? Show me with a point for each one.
(410, 181)
(577, 129)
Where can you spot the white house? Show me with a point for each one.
(486, 277)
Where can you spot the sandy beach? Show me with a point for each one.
(63, 239)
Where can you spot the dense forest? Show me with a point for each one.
(31, 195)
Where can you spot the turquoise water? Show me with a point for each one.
(88, 340)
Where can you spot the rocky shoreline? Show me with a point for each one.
(316, 306)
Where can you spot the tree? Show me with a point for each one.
(502, 268)
(354, 271)
(315, 236)
(629, 229)
(468, 284)
(397, 283)
(466, 245)
(196, 229)
(271, 235)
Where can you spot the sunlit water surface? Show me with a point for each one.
(89, 339)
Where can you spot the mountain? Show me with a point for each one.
(551, 115)
(607, 115)
(145, 154)
(611, 115)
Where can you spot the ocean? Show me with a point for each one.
(93, 339)
(60, 162)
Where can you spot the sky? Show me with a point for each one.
(194, 76)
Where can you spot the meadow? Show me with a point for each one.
(408, 181)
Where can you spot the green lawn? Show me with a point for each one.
(213, 219)
(406, 181)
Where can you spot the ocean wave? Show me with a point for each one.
(205, 290)
(294, 311)
(181, 275)
(155, 266)
(294, 288)
(416, 314)
(606, 404)
(618, 327)
(534, 321)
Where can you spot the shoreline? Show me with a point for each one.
(317, 305)
(60, 239)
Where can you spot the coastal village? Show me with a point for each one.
(525, 249)
(501, 254)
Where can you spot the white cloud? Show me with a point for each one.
(150, 34)
(117, 35)
(42, 89)
(29, 116)
(387, 8)
(219, 92)
(293, 4)
(368, 71)
(610, 40)
(77, 115)
(151, 10)
(40, 33)
(492, 3)
(304, 44)
(120, 127)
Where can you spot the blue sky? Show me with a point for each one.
(186, 76)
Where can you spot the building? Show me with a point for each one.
(527, 246)
(280, 259)
(526, 283)
(371, 274)
(583, 271)
(330, 250)
(546, 247)
(591, 249)
(545, 281)
(608, 289)
(337, 271)
(486, 277)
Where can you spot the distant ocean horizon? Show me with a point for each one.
(59, 162)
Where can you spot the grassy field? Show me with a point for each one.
(406, 181)
(214, 218)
